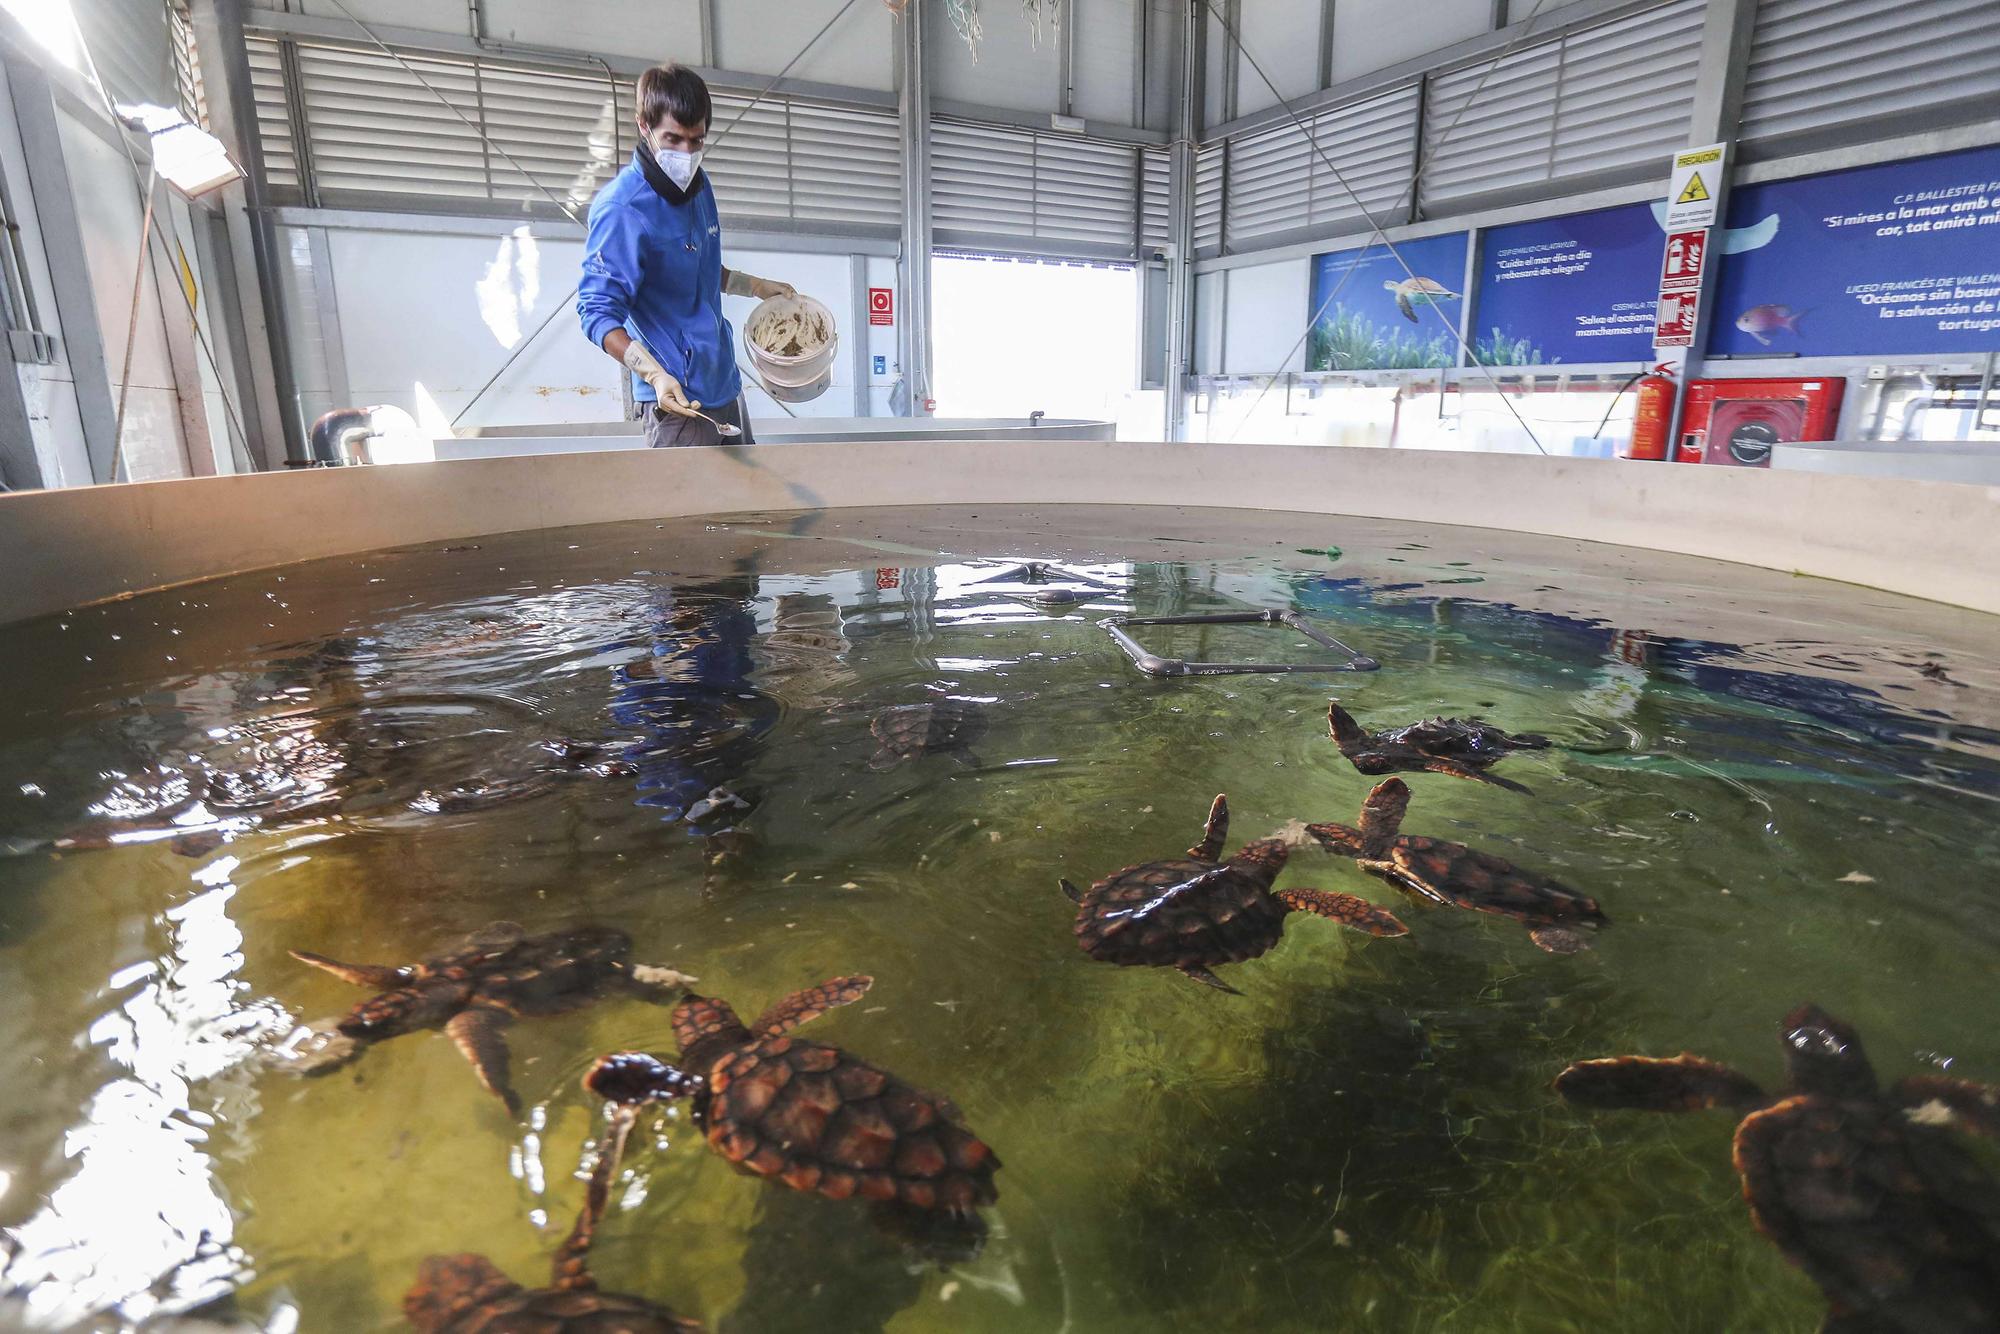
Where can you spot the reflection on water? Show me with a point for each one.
(675, 731)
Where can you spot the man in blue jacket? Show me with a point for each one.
(653, 280)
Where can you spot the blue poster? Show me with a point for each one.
(1372, 312)
(1572, 289)
(1900, 258)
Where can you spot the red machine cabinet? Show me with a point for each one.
(1737, 423)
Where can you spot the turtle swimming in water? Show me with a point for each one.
(1197, 911)
(475, 990)
(1866, 1190)
(943, 727)
(814, 1117)
(1457, 876)
(1460, 747)
(468, 1294)
(1414, 292)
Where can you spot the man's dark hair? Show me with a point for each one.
(673, 90)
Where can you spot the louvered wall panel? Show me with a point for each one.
(274, 132)
(372, 129)
(751, 163)
(1611, 97)
(1628, 89)
(1156, 201)
(1037, 193)
(1828, 65)
(1281, 182)
(847, 166)
(1086, 192)
(1374, 144)
(563, 131)
(1210, 168)
(188, 85)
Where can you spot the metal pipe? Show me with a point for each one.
(1985, 393)
(914, 114)
(132, 324)
(1180, 228)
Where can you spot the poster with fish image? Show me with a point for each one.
(1373, 312)
(1578, 288)
(1901, 258)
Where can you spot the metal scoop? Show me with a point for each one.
(723, 429)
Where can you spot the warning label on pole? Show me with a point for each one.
(882, 305)
(1697, 175)
(1674, 319)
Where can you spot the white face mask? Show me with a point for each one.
(680, 166)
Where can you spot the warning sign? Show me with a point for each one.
(1673, 319)
(1697, 174)
(1686, 256)
(881, 305)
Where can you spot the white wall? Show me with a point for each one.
(1281, 36)
(1264, 317)
(421, 318)
(762, 36)
(1373, 34)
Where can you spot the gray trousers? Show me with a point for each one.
(666, 430)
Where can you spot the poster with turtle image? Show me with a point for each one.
(1374, 311)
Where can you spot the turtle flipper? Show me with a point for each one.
(1382, 814)
(1075, 894)
(1347, 909)
(633, 1078)
(1215, 832)
(885, 759)
(1401, 878)
(1339, 839)
(1454, 769)
(1684, 1083)
(379, 976)
(1557, 939)
(571, 1271)
(1208, 979)
(802, 1007)
(1941, 1100)
(1347, 734)
(449, 1286)
(481, 1036)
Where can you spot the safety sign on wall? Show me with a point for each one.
(1687, 254)
(881, 305)
(1692, 190)
(1673, 318)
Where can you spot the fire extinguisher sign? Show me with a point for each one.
(1674, 319)
(882, 306)
(1686, 258)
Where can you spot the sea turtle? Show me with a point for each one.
(812, 1116)
(943, 726)
(497, 974)
(1865, 1190)
(1197, 911)
(468, 1294)
(1458, 876)
(1461, 747)
(1414, 292)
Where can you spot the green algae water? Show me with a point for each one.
(1778, 789)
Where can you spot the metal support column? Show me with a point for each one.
(1180, 222)
(69, 267)
(914, 115)
(261, 358)
(1718, 103)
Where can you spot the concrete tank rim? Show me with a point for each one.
(1933, 541)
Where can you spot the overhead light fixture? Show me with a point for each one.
(190, 159)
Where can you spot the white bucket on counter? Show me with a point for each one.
(791, 341)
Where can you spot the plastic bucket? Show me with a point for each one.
(799, 378)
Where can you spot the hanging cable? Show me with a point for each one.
(714, 138)
(1375, 231)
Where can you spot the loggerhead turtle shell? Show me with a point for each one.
(1179, 912)
(822, 1120)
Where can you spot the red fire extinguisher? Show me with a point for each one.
(1651, 418)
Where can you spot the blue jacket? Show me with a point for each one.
(652, 265)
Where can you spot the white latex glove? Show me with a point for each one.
(672, 397)
(739, 283)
